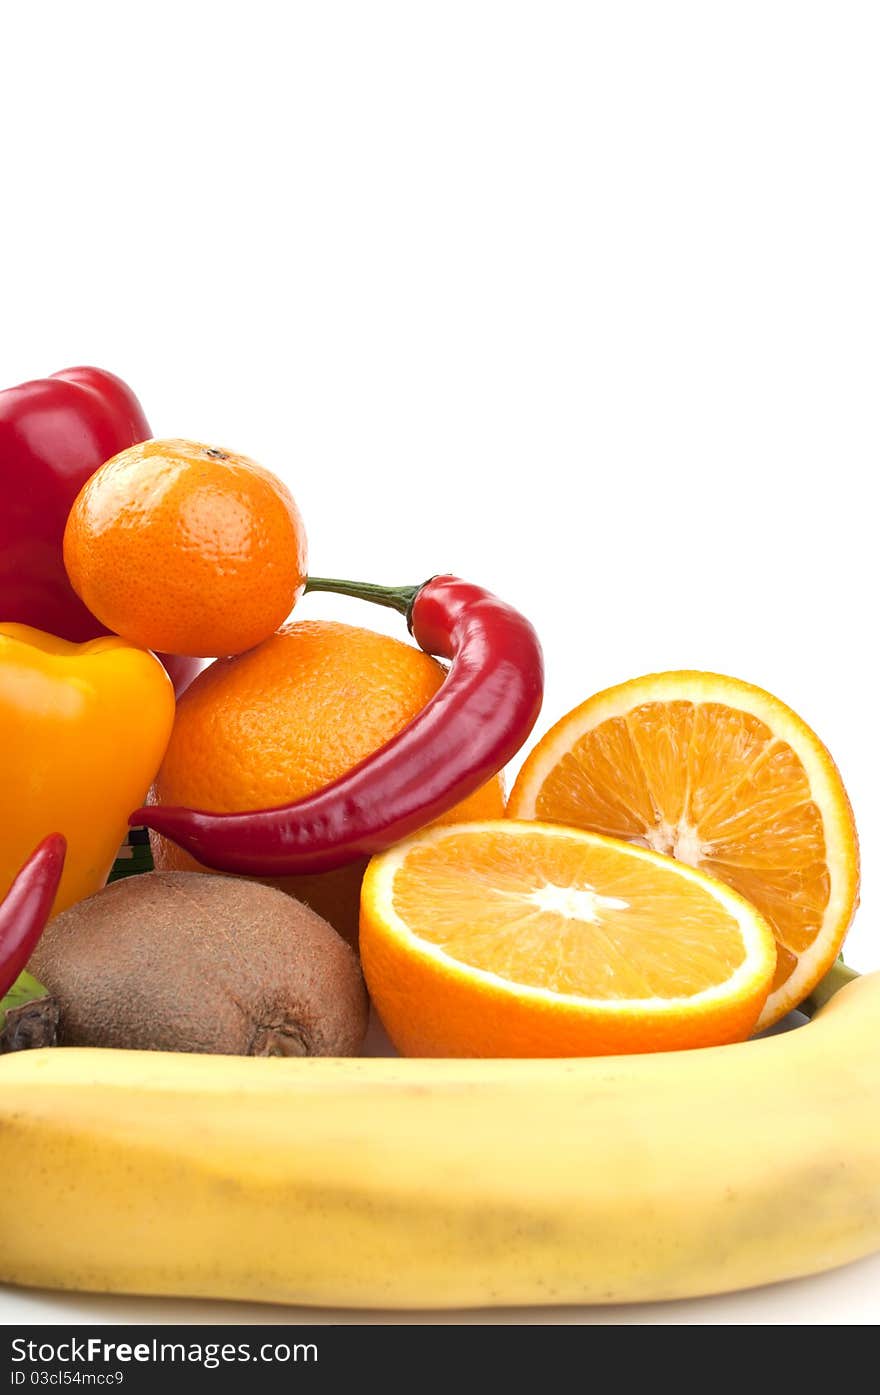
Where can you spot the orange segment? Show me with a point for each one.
(500, 938)
(724, 777)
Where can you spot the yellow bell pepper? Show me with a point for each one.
(83, 729)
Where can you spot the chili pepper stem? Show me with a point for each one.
(399, 598)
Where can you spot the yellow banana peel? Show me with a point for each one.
(430, 1184)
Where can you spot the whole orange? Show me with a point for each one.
(186, 548)
(279, 722)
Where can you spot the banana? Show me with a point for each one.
(418, 1183)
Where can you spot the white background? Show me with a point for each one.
(579, 301)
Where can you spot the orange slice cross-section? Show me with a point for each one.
(724, 777)
(527, 939)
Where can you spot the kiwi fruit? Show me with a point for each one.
(181, 961)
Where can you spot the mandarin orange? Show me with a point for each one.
(186, 548)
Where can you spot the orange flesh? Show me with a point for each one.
(545, 913)
(712, 786)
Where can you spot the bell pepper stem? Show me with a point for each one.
(836, 978)
(399, 598)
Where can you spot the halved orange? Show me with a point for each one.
(526, 939)
(724, 777)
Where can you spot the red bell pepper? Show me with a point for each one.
(54, 433)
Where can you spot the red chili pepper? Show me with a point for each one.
(54, 433)
(26, 907)
(474, 724)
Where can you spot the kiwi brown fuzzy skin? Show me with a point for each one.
(184, 961)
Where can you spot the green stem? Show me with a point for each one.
(24, 990)
(837, 977)
(28, 1016)
(398, 598)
